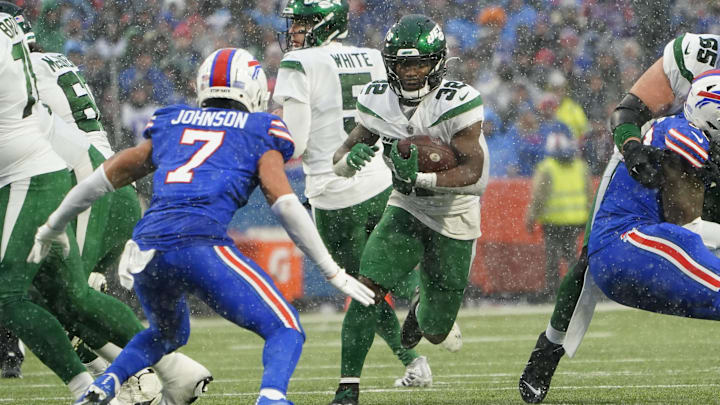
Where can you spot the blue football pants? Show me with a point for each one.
(234, 287)
(662, 268)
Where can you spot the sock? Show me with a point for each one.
(109, 352)
(569, 294)
(358, 332)
(79, 384)
(349, 380)
(97, 367)
(273, 394)
(145, 349)
(388, 328)
(280, 356)
(554, 335)
(85, 353)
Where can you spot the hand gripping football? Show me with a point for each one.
(434, 155)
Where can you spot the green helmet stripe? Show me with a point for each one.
(292, 64)
(476, 102)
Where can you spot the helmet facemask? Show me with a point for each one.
(410, 91)
(324, 21)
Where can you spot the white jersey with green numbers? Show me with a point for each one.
(24, 123)
(686, 57)
(329, 79)
(442, 113)
(63, 88)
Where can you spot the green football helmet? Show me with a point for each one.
(17, 12)
(415, 39)
(328, 20)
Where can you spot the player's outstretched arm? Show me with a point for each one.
(120, 170)
(298, 224)
(358, 149)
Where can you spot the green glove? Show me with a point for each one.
(360, 154)
(405, 170)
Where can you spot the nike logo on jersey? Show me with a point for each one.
(462, 98)
(534, 390)
(687, 48)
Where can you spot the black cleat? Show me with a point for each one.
(347, 394)
(535, 379)
(411, 334)
(11, 366)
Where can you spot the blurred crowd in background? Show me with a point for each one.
(541, 66)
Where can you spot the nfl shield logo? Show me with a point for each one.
(410, 129)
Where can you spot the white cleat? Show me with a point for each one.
(417, 374)
(143, 388)
(453, 342)
(183, 379)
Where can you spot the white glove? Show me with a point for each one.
(350, 286)
(44, 238)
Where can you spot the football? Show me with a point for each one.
(434, 155)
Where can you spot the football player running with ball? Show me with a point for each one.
(432, 219)
(207, 161)
(317, 85)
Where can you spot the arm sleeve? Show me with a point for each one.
(298, 224)
(297, 117)
(80, 198)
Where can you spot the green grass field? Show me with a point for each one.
(628, 357)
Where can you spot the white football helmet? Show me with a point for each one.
(702, 107)
(234, 74)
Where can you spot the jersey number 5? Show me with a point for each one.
(212, 141)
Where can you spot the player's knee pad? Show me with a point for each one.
(379, 290)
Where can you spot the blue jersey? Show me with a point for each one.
(206, 168)
(626, 203)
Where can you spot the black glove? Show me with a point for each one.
(644, 163)
(710, 172)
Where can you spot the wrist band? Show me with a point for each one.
(341, 168)
(426, 180)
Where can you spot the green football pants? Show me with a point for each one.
(24, 206)
(398, 244)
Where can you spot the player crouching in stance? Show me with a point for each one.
(207, 161)
(432, 219)
(648, 247)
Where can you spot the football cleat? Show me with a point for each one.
(267, 401)
(11, 366)
(143, 388)
(183, 379)
(411, 334)
(417, 374)
(535, 379)
(347, 395)
(101, 391)
(453, 342)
